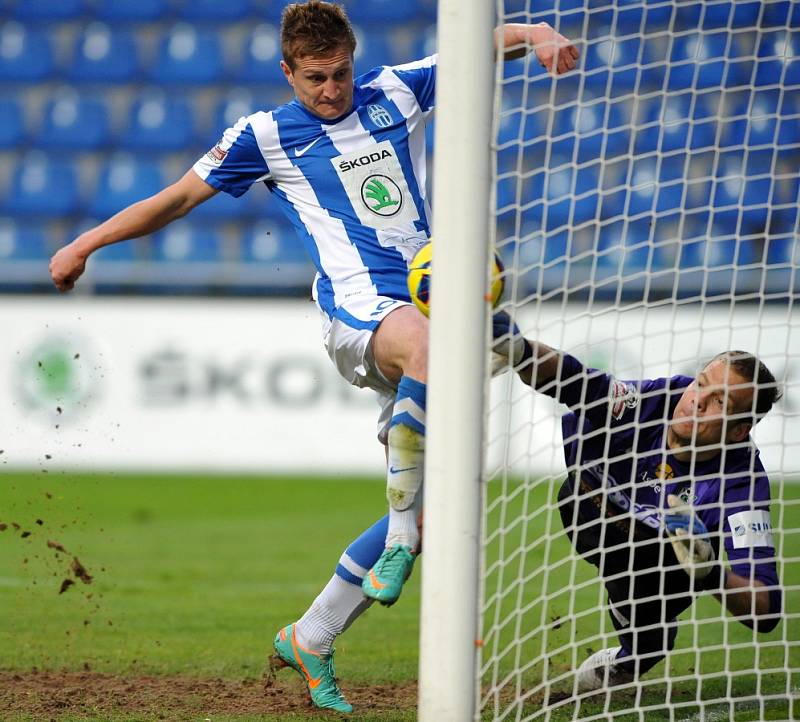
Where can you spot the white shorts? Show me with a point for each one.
(348, 341)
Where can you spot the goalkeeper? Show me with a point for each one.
(663, 474)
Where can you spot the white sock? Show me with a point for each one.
(403, 527)
(333, 611)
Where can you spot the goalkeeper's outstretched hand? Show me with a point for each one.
(689, 538)
(509, 345)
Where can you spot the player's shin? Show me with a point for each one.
(341, 602)
(405, 463)
(385, 580)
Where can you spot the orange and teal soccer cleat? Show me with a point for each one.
(385, 580)
(315, 669)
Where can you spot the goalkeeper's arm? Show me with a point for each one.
(526, 357)
(746, 599)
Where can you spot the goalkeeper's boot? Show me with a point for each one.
(315, 669)
(600, 672)
(385, 580)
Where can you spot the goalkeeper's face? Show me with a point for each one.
(323, 83)
(715, 408)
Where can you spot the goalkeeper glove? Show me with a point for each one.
(510, 346)
(689, 538)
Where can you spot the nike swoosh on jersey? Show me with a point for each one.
(392, 470)
(301, 151)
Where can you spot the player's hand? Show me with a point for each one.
(689, 538)
(509, 343)
(66, 266)
(552, 49)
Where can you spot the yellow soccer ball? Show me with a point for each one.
(419, 279)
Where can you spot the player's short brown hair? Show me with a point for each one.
(314, 28)
(766, 390)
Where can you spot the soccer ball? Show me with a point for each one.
(419, 279)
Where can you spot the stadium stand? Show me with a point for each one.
(104, 101)
(103, 54)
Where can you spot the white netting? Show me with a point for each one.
(647, 215)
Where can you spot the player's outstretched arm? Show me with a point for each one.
(139, 219)
(553, 50)
(510, 344)
(745, 599)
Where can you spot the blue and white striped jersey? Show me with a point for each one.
(353, 188)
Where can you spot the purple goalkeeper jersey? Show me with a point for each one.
(614, 441)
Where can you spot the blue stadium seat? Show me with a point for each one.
(623, 248)
(729, 182)
(614, 63)
(273, 241)
(789, 123)
(73, 122)
(740, 59)
(236, 103)
(274, 257)
(777, 55)
(697, 60)
(185, 242)
(159, 122)
(104, 54)
(12, 123)
(603, 130)
(643, 190)
(214, 10)
(26, 55)
(129, 10)
(49, 9)
(383, 12)
(23, 241)
(425, 43)
(376, 48)
(124, 179)
(675, 122)
(261, 56)
(188, 55)
(784, 250)
(738, 14)
(703, 130)
(42, 186)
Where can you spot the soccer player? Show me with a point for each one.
(662, 473)
(346, 162)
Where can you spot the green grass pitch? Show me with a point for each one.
(193, 575)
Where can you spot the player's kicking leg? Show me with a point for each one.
(307, 645)
(401, 352)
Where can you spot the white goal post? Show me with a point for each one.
(454, 454)
(646, 208)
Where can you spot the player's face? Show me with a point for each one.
(715, 407)
(323, 83)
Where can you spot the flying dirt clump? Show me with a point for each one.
(76, 567)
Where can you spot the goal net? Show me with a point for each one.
(646, 210)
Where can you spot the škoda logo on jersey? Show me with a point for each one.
(363, 160)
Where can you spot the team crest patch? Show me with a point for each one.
(624, 396)
(379, 115)
(216, 155)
